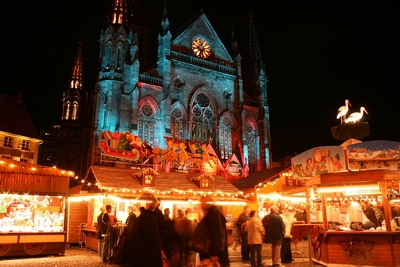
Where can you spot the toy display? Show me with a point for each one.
(23, 213)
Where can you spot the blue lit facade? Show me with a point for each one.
(195, 91)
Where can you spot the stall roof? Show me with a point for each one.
(255, 178)
(110, 177)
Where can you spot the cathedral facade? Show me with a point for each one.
(197, 90)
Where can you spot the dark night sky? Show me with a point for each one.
(317, 54)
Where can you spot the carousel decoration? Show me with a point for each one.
(351, 126)
(357, 251)
(180, 155)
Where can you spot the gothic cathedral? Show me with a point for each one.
(197, 90)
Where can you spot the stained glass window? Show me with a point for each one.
(225, 138)
(251, 142)
(202, 120)
(146, 125)
(177, 123)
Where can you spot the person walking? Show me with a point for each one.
(243, 218)
(275, 231)
(146, 247)
(255, 231)
(212, 228)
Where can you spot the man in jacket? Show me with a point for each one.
(275, 231)
(243, 218)
(255, 232)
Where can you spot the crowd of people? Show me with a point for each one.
(273, 229)
(152, 239)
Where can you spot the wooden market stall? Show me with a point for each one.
(32, 209)
(122, 187)
(350, 240)
(352, 198)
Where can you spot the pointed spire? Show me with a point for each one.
(165, 21)
(117, 13)
(234, 43)
(77, 72)
(254, 47)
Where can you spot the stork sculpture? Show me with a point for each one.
(343, 111)
(356, 116)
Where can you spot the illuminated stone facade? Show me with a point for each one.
(195, 91)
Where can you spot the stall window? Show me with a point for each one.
(205, 183)
(148, 179)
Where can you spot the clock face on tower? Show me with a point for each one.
(201, 48)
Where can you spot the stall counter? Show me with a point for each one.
(19, 243)
(366, 248)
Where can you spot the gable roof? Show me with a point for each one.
(257, 177)
(17, 120)
(202, 28)
(111, 178)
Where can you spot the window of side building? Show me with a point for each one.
(25, 145)
(8, 141)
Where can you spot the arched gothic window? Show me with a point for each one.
(67, 109)
(225, 138)
(251, 137)
(75, 110)
(202, 128)
(177, 124)
(146, 124)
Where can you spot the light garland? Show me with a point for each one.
(12, 166)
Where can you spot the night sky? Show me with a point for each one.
(317, 54)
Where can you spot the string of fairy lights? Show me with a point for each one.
(269, 182)
(175, 192)
(9, 166)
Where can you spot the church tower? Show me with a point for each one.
(197, 91)
(255, 85)
(72, 95)
(76, 121)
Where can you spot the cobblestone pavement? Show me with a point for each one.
(83, 257)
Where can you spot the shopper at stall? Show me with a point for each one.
(243, 218)
(370, 213)
(100, 230)
(128, 234)
(166, 214)
(160, 218)
(146, 248)
(275, 231)
(213, 228)
(235, 235)
(286, 251)
(106, 228)
(255, 231)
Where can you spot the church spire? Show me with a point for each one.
(117, 13)
(72, 96)
(165, 21)
(254, 47)
(77, 73)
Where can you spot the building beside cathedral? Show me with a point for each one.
(197, 90)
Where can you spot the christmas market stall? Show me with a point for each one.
(32, 209)
(177, 191)
(353, 195)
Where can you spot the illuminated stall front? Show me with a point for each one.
(353, 192)
(32, 209)
(122, 188)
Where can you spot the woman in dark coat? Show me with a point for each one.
(215, 222)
